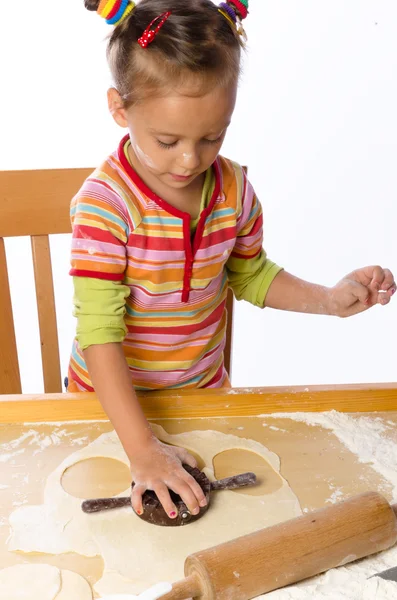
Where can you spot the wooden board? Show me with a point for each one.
(206, 403)
(313, 461)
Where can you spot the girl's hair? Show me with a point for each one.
(197, 45)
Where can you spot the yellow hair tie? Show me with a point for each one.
(127, 11)
(224, 14)
(238, 27)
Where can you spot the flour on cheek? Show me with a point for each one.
(145, 159)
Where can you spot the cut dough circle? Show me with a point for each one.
(42, 582)
(30, 582)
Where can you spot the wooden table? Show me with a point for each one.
(313, 460)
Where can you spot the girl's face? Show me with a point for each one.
(177, 137)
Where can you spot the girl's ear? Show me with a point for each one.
(116, 107)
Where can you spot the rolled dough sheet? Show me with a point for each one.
(137, 554)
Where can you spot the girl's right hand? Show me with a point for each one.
(158, 467)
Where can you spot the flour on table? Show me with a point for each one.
(336, 496)
(339, 584)
(7, 456)
(137, 554)
(39, 441)
(364, 436)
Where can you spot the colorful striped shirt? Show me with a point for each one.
(176, 284)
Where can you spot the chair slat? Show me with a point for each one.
(37, 202)
(10, 379)
(47, 314)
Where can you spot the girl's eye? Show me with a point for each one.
(173, 144)
(166, 146)
(213, 141)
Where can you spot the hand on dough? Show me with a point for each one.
(158, 467)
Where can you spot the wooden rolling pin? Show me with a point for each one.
(289, 552)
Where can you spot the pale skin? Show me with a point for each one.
(175, 138)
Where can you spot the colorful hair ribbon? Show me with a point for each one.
(115, 11)
(242, 7)
(234, 11)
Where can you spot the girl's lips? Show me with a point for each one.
(180, 177)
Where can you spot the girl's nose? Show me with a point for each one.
(189, 160)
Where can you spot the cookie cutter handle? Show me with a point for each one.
(100, 504)
(234, 482)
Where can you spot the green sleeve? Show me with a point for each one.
(251, 278)
(99, 306)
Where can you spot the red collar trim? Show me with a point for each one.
(150, 194)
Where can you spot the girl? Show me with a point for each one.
(165, 225)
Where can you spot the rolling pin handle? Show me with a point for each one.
(186, 588)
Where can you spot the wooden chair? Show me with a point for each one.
(36, 204)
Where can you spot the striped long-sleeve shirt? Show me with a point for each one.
(176, 285)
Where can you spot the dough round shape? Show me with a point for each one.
(30, 582)
(129, 546)
(74, 587)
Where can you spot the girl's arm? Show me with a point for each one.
(154, 465)
(355, 293)
(112, 382)
(101, 229)
(288, 292)
(259, 283)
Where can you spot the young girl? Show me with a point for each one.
(165, 225)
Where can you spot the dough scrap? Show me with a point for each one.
(42, 582)
(30, 582)
(137, 554)
(74, 587)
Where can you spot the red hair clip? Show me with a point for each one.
(149, 34)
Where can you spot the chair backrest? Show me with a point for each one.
(36, 204)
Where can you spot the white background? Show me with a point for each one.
(316, 124)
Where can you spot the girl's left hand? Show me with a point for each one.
(361, 290)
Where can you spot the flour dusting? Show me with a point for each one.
(9, 455)
(39, 441)
(362, 436)
(336, 495)
(338, 585)
(365, 437)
